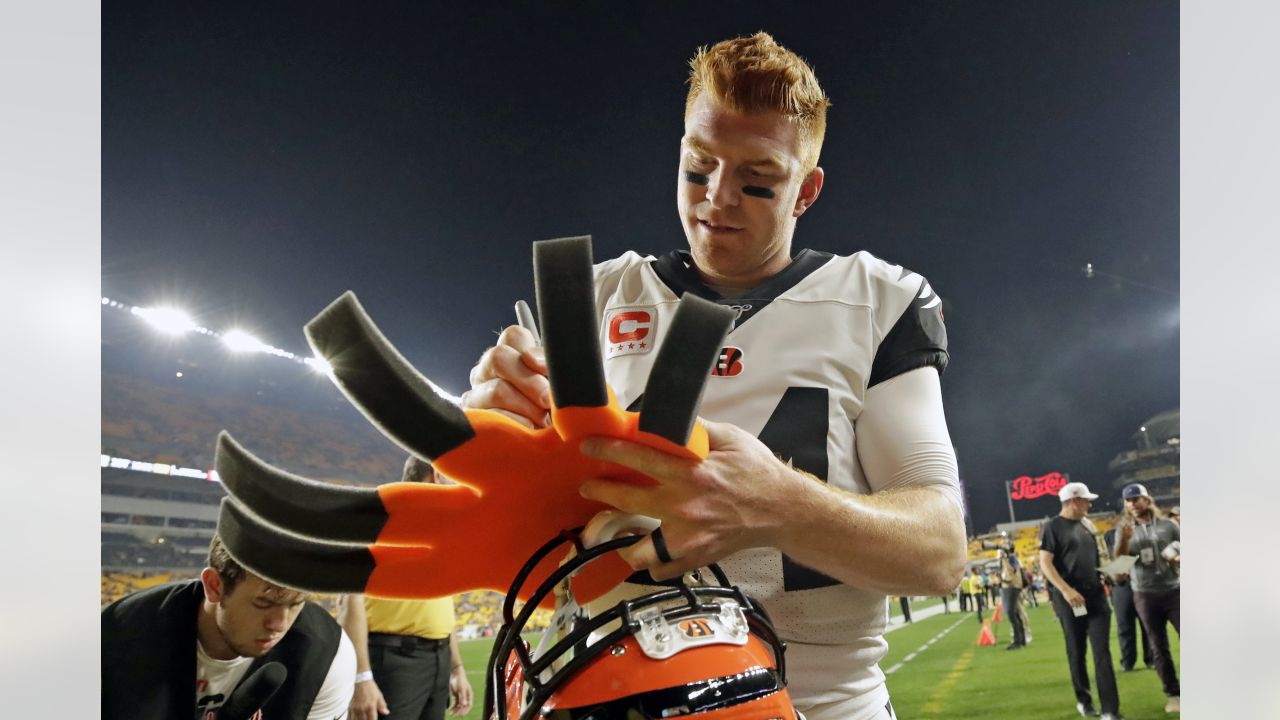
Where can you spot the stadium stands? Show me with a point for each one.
(149, 421)
(1155, 460)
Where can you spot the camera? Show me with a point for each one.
(1003, 544)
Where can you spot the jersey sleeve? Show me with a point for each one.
(902, 437)
(909, 313)
(334, 698)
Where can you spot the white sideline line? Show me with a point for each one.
(925, 646)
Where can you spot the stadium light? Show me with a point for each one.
(166, 319)
(320, 365)
(240, 341)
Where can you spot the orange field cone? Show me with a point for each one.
(995, 617)
(986, 637)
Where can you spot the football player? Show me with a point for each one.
(831, 481)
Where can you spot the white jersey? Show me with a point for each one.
(215, 679)
(794, 371)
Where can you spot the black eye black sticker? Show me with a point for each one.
(752, 190)
(759, 192)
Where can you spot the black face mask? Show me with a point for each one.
(696, 697)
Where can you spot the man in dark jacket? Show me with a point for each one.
(180, 650)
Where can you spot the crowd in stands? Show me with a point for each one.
(479, 614)
(122, 550)
(117, 584)
(147, 421)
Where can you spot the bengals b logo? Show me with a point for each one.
(729, 363)
(695, 628)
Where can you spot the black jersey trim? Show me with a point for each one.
(918, 339)
(676, 270)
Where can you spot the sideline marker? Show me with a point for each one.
(986, 637)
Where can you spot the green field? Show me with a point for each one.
(955, 678)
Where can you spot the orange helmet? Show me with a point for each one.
(706, 651)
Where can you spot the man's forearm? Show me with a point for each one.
(1122, 545)
(899, 542)
(356, 623)
(455, 656)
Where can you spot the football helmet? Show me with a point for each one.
(694, 648)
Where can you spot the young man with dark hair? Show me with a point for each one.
(831, 481)
(180, 650)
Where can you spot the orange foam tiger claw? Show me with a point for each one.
(516, 487)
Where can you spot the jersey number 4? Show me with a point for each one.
(797, 431)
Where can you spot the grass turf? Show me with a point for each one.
(954, 678)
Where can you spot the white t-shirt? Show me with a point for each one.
(795, 371)
(215, 679)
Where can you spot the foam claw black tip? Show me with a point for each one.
(289, 560)
(377, 379)
(680, 369)
(321, 510)
(564, 285)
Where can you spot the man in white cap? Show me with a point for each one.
(1070, 558)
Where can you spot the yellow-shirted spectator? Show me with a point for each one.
(407, 660)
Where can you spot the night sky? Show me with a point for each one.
(258, 160)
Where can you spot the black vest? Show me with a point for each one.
(149, 656)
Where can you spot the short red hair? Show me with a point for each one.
(756, 74)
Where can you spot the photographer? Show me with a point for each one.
(1156, 542)
(1010, 594)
